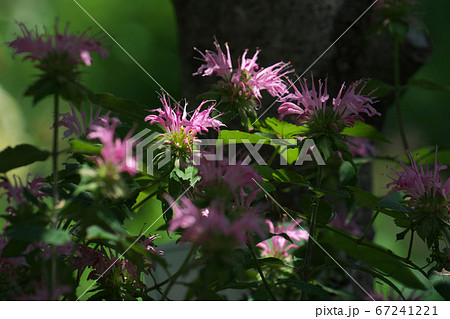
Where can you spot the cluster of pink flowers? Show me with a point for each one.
(181, 131)
(278, 246)
(104, 261)
(202, 225)
(229, 191)
(79, 127)
(310, 106)
(422, 186)
(239, 180)
(15, 190)
(74, 49)
(114, 151)
(248, 79)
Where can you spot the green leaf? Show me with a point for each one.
(283, 175)
(80, 146)
(441, 283)
(271, 262)
(389, 202)
(382, 88)
(21, 155)
(363, 198)
(373, 255)
(306, 287)
(398, 29)
(347, 174)
(374, 274)
(96, 232)
(189, 174)
(324, 212)
(361, 129)
(128, 108)
(39, 233)
(235, 136)
(14, 248)
(264, 171)
(428, 85)
(282, 129)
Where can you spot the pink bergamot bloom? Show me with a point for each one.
(211, 226)
(181, 130)
(278, 246)
(15, 191)
(241, 86)
(422, 186)
(222, 177)
(113, 160)
(69, 48)
(79, 125)
(312, 109)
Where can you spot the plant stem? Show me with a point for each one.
(312, 230)
(258, 267)
(179, 272)
(411, 240)
(142, 202)
(54, 218)
(369, 226)
(398, 89)
(273, 156)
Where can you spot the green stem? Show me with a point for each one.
(179, 272)
(258, 267)
(398, 90)
(312, 230)
(54, 218)
(369, 226)
(142, 202)
(411, 240)
(272, 158)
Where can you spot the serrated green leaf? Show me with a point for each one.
(21, 155)
(282, 129)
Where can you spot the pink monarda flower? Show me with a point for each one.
(278, 246)
(311, 108)
(114, 152)
(15, 190)
(79, 126)
(422, 186)
(72, 48)
(202, 226)
(361, 147)
(248, 79)
(181, 131)
(235, 178)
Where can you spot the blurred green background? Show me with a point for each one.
(147, 30)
